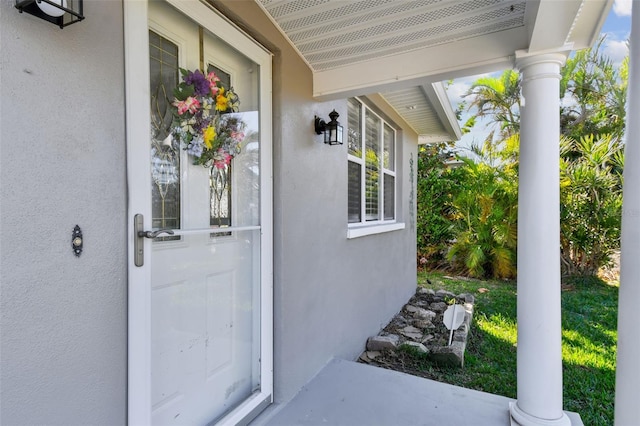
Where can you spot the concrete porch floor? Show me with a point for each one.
(352, 394)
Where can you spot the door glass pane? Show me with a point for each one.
(165, 155)
(225, 77)
(220, 177)
(220, 188)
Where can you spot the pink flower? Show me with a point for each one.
(221, 159)
(213, 80)
(237, 136)
(190, 104)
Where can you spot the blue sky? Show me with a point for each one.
(617, 28)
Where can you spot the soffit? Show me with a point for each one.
(427, 110)
(331, 34)
(400, 47)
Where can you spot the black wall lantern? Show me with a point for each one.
(332, 130)
(58, 12)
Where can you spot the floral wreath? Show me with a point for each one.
(201, 121)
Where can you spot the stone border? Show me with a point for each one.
(419, 325)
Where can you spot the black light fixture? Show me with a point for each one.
(58, 12)
(332, 130)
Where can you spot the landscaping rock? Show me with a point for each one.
(452, 355)
(427, 338)
(420, 324)
(420, 313)
(400, 321)
(380, 343)
(369, 356)
(411, 332)
(445, 294)
(468, 298)
(438, 306)
(426, 291)
(419, 346)
(459, 336)
(373, 354)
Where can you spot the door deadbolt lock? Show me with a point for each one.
(140, 235)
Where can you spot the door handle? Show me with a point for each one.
(154, 234)
(140, 235)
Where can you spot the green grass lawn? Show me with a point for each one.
(589, 334)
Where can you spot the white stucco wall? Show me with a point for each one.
(62, 163)
(331, 293)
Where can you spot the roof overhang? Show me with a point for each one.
(407, 47)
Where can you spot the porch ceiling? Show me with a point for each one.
(399, 48)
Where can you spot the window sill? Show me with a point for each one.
(361, 231)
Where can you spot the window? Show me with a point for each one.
(372, 169)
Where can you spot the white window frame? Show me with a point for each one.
(370, 227)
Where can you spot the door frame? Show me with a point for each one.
(137, 113)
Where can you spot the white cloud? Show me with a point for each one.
(460, 86)
(568, 101)
(616, 50)
(479, 133)
(622, 7)
(456, 91)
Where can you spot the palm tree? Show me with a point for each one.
(590, 201)
(596, 90)
(486, 222)
(498, 100)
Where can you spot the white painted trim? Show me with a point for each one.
(437, 95)
(136, 27)
(266, 240)
(431, 139)
(413, 68)
(545, 36)
(248, 410)
(361, 231)
(137, 110)
(219, 25)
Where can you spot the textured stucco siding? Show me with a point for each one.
(330, 293)
(62, 163)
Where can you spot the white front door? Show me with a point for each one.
(200, 344)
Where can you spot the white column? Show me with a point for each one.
(628, 362)
(539, 317)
